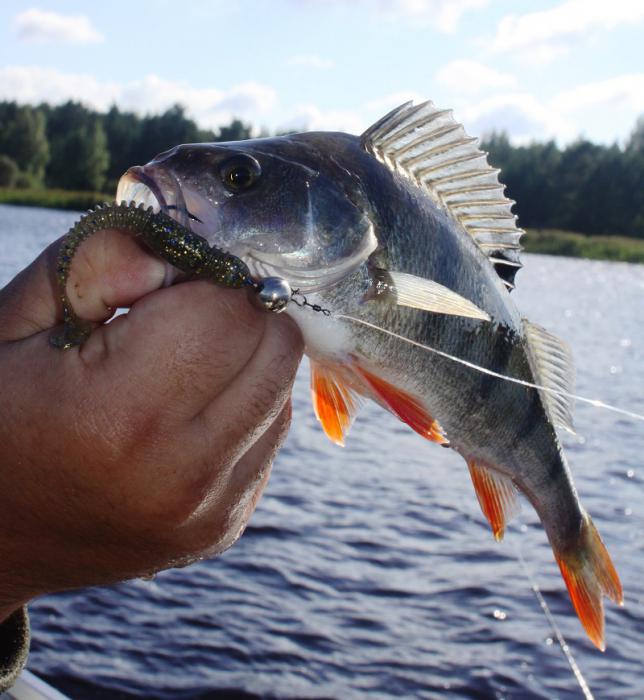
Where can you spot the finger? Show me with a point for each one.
(109, 270)
(184, 345)
(220, 521)
(248, 404)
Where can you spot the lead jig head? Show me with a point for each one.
(274, 293)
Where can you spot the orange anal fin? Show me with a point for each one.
(334, 402)
(589, 573)
(405, 407)
(497, 496)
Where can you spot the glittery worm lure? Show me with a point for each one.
(186, 251)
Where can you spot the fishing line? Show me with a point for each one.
(559, 392)
(583, 685)
(579, 677)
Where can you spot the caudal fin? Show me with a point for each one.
(589, 573)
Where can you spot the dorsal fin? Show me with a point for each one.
(552, 365)
(431, 148)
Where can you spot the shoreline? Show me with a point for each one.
(544, 241)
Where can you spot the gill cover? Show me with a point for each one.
(263, 200)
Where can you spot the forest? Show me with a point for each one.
(585, 187)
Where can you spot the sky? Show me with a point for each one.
(537, 69)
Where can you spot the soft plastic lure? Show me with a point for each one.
(187, 251)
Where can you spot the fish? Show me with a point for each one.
(404, 239)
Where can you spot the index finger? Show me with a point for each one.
(109, 270)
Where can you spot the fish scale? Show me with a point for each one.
(405, 234)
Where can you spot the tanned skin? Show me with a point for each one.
(150, 445)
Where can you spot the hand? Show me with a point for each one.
(151, 444)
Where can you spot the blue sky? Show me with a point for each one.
(553, 68)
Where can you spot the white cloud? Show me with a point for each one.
(619, 92)
(540, 36)
(465, 76)
(39, 25)
(210, 107)
(311, 117)
(382, 105)
(310, 61)
(582, 109)
(444, 14)
(521, 115)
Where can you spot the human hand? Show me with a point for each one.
(151, 444)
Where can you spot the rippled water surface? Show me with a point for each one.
(369, 571)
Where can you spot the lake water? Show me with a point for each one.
(369, 571)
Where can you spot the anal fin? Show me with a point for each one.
(334, 403)
(497, 496)
(405, 407)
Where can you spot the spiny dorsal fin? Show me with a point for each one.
(552, 365)
(430, 147)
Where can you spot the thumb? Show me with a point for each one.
(109, 270)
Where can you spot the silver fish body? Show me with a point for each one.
(345, 223)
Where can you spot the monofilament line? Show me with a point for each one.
(593, 402)
(555, 628)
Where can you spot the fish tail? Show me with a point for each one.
(589, 573)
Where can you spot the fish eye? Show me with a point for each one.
(239, 173)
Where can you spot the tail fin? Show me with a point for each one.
(589, 572)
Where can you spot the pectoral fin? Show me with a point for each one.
(415, 292)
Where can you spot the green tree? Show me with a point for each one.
(162, 132)
(23, 139)
(123, 131)
(235, 131)
(8, 171)
(79, 155)
(636, 139)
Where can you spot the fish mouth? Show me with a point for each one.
(160, 190)
(139, 186)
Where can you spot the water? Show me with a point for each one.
(369, 571)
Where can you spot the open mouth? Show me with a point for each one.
(137, 186)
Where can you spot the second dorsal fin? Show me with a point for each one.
(428, 146)
(552, 365)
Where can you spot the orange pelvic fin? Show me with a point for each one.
(497, 496)
(334, 402)
(589, 572)
(405, 407)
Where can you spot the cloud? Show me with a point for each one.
(382, 105)
(540, 36)
(618, 92)
(563, 116)
(310, 61)
(444, 14)
(311, 117)
(38, 25)
(210, 107)
(472, 77)
(521, 115)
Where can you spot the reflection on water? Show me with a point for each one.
(370, 570)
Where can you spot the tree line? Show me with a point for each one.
(585, 187)
(72, 147)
